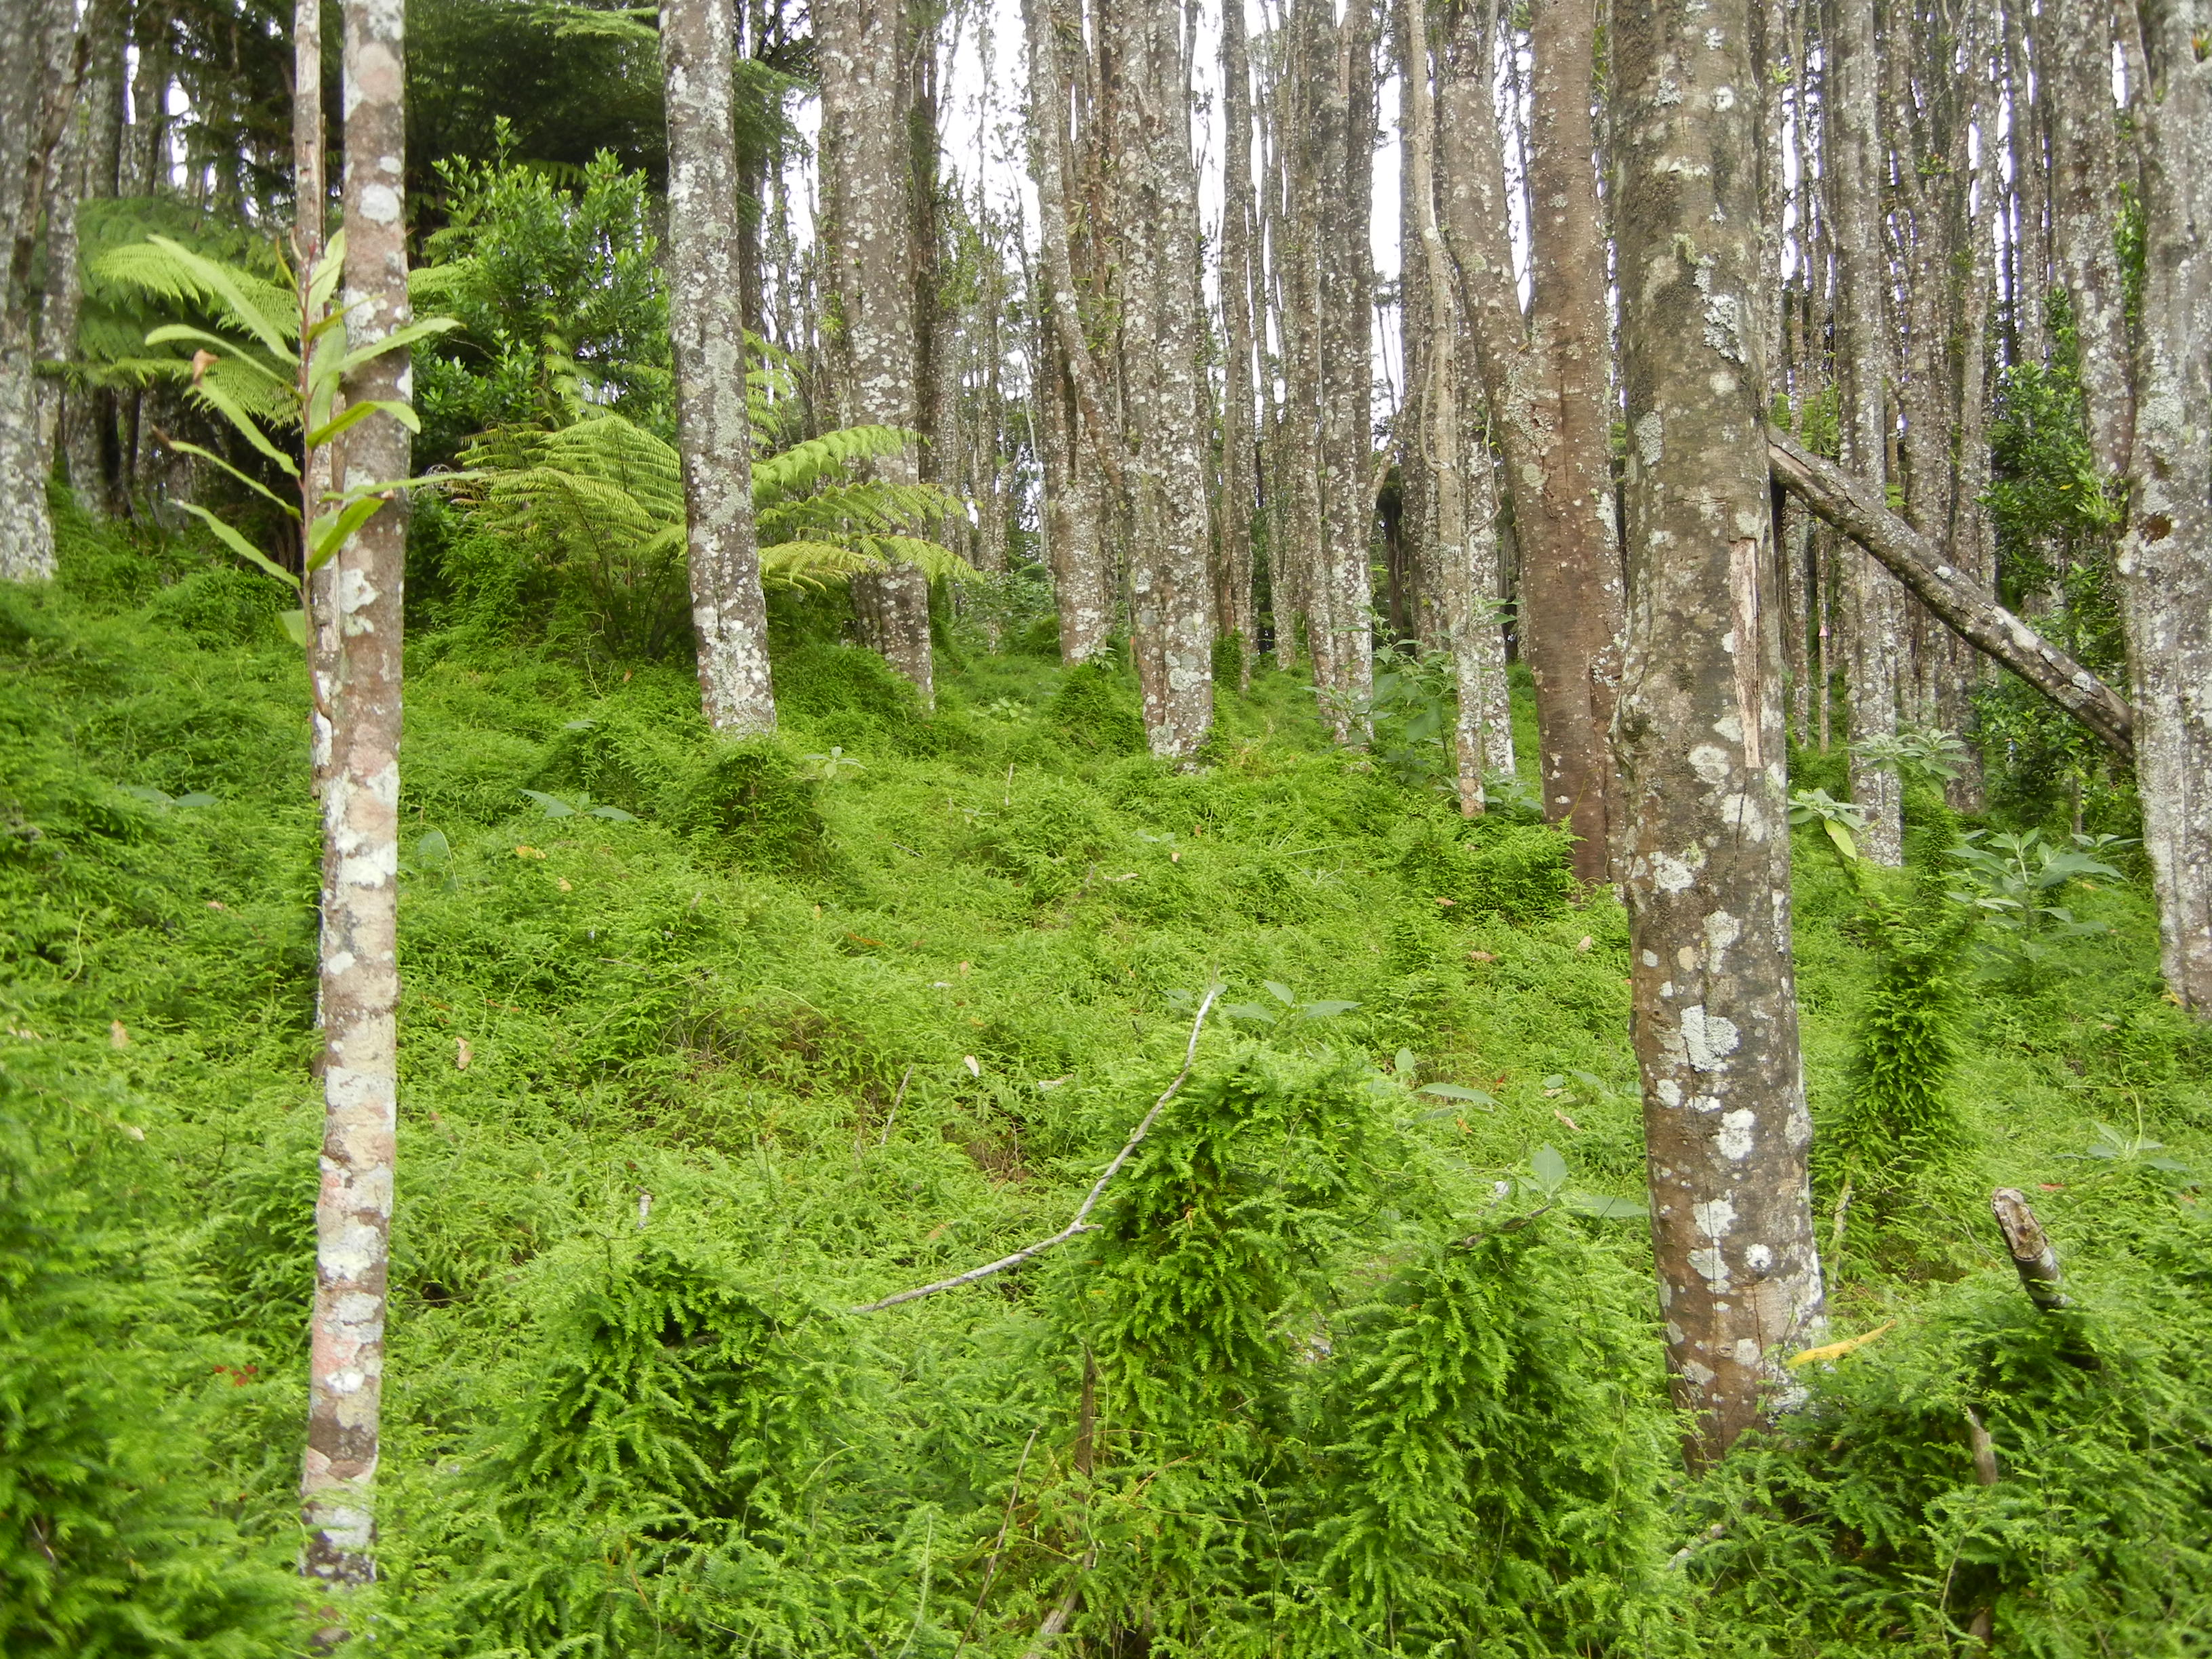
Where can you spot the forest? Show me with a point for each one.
(1132, 829)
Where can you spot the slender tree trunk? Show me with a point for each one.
(1171, 633)
(1873, 612)
(2086, 201)
(360, 981)
(1571, 584)
(2165, 558)
(88, 413)
(1087, 447)
(713, 433)
(1346, 349)
(37, 94)
(309, 190)
(1707, 866)
(1304, 94)
(1239, 452)
(868, 177)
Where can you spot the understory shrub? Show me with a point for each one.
(752, 804)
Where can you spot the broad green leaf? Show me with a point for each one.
(1326, 1010)
(146, 792)
(238, 544)
(295, 625)
(1249, 1011)
(329, 532)
(219, 400)
(1280, 992)
(1548, 1167)
(614, 813)
(1406, 1063)
(1842, 837)
(1456, 1091)
(554, 805)
(1604, 1207)
(421, 329)
(197, 798)
(353, 414)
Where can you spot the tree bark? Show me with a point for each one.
(1700, 736)
(1563, 502)
(1239, 451)
(2086, 201)
(1157, 199)
(714, 432)
(360, 978)
(1855, 507)
(2166, 555)
(1346, 344)
(37, 95)
(1873, 612)
(868, 287)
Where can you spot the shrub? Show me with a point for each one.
(751, 801)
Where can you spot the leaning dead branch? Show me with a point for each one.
(2032, 1253)
(1081, 1223)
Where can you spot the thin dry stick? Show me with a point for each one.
(1081, 1223)
(885, 1139)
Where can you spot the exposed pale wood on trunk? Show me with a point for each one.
(1707, 864)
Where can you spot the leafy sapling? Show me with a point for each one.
(1547, 1181)
(1291, 1013)
(2014, 877)
(581, 806)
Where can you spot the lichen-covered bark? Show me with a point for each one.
(1478, 653)
(1562, 489)
(1873, 612)
(1239, 454)
(36, 93)
(1346, 346)
(2086, 203)
(2165, 558)
(1699, 729)
(1081, 448)
(360, 977)
(868, 277)
(1157, 202)
(713, 433)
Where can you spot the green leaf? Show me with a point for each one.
(1455, 1091)
(1842, 837)
(1406, 1063)
(1548, 1167)
(1604, 1207)
(554, 805)
(1280, 992)
(197, 798)
(146, 792)
(1249, 1011)
(238, 544)
(329, 532)
(616, 813)
(254, 484)
(421, 329)
(295, 625)
(432, 848)
(1326, 1010)
(353, 414)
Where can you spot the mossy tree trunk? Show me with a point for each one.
(360, 970)
(1700, 734)
(714, 432)
(2165, 558)
(1346, 290)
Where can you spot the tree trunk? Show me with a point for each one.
(714, 432)
(1707, 864)
(2086, 201)
(868, 286)
(360, 980)
(2166, 557)
(1302, 123)
(1873, 612)
(1087, 447)
(1563, 505)
(1346, 344)
(88, 414)
(309, 192)
(37, 96)
(1156, 196)
(1239, 452)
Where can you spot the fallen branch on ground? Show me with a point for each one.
(1081, 1224)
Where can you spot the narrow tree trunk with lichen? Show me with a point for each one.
(309, 190)
(1873, 612)
(861, 50)
(1562, 489)
(1157, 199)
(2166, 557)
(714, 431)
(1084, 446)
(1346, 345)
(37, 95)
(1239, 452)
(1699, 726)
(88, 418)
(2088, 187)
(360, 980)
(1303, 93)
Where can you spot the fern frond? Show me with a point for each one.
(813, 564)
(800, 466)
(934, 561)
(169, 270)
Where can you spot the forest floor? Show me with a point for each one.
(872, 1004)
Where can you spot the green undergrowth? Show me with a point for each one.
(702, 1045)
